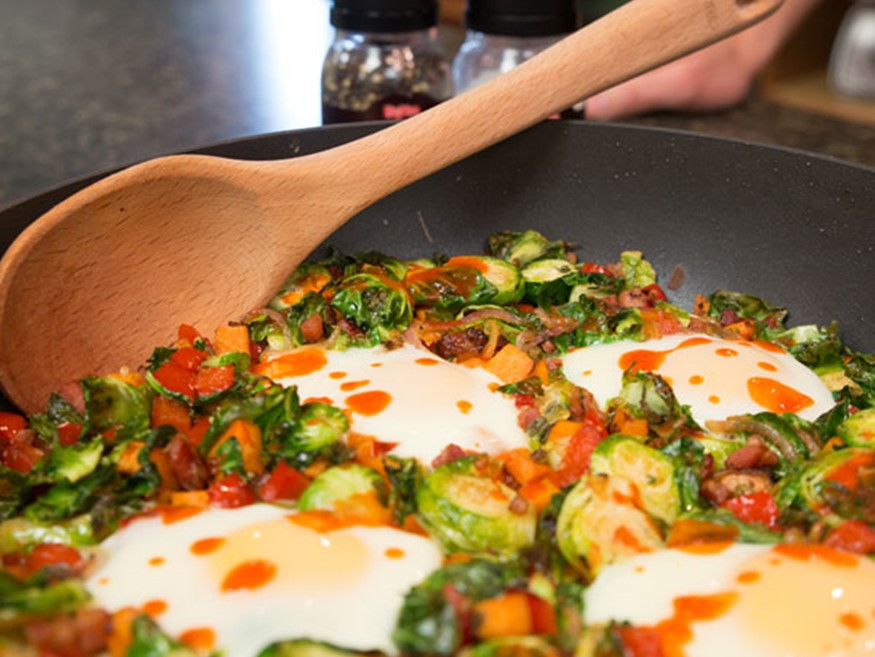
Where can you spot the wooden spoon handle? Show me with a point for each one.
(635, 38)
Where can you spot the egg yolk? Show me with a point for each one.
(810, 599)
(258, 555)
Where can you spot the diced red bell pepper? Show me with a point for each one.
(852, 536)
(176, 379)
(284, 483)
(231, 491)
(592, 268)
(213, 380)
(11, 424)
(69, 432)
(188, 358)
(755, 507)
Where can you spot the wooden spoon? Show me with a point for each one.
(106, 275)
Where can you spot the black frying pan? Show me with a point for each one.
(796, 229)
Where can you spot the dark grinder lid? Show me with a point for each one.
(384, 15)
(522, 17)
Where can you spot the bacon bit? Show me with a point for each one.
(312, 329)
(677, 278)
(755, 453)
(188, 467)
(518, 505)
(450, 453)
(82, 634)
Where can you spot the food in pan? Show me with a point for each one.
(515, 453)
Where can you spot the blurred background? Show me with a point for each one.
(91, 85)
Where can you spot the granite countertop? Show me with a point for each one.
(90, 85)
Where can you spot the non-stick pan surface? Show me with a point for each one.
(796, 229)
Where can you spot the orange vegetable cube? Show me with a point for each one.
(248, 436)
(510, 364)
(231, 338)
(506, 615)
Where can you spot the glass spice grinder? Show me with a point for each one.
(385, 61)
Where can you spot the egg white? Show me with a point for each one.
(713, 386)
(433, 402)
(821, 606)
(345, 588)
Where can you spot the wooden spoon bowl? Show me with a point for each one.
(102, 278)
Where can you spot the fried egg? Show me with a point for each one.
(754, 600)
(716, 378)
(406, 396)
(239, 579)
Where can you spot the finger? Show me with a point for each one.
(660, 89)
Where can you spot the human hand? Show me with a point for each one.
(715, 78)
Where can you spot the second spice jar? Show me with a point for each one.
(502, 34)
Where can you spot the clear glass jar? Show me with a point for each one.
(375, 75)
(502, 34)
(485, 56)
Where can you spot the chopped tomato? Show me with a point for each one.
(21, 455)
(11, 424)
(640, 641)
(188, 335)
(284, 483)
(755, 507)
(69, 432)
(43, 555)
(176, 379)
(654, 293)
(575, 462)
(543, 615)
(212, 380)
(188, 358)
(852, 536)
(592, 268)
(50, 554)
(231, 491)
